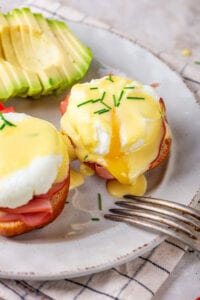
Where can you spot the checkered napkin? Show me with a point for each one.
(138, 279)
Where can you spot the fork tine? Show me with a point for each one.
(183, 208)
(164, 211)
(141, 222)
(156, 218)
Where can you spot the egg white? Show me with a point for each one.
(19, 187)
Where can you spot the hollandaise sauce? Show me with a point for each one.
(116, 123)
(76, 179)
(27, 138)
(117, 189)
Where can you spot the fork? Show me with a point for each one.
(174, 219)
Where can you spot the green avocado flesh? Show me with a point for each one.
(38, 56)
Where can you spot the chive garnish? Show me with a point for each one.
(120, 97)
(110, 78)
(85, 157)
(197, 62)
(106, 105)
(101, 111)
(94, 88)
(85, 102)
(5, 122)
(95, 219)
(2, 126)
(129, 87)
(103, 96)
(135, 98)
(67, 202)
(114, 100)
(99, 201)
(96, 100)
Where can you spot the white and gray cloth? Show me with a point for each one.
(138, 279)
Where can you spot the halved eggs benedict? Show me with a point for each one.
(34, 173)
(118, 127)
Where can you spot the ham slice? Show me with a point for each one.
(35, 212)
(34, 206)
(30, 219)
(100, 171)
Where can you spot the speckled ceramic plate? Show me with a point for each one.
(74, 245)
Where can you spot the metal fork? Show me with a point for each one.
(176, 220)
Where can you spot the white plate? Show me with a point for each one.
(73, 245)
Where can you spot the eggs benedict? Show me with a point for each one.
(118, 127)
(34, 168)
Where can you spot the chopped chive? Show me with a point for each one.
(94, 88)
(85, 157)
(85, 102)
(2, 126)
(5, 122)
(197, 62)
(114, 100)
(67, 202)
(99, 201)
(106, 105)
(101, 111)
(96, 100)
(95, 219)
(110, 78)
(135, 98)
(120, 98)
(103, 96)
(129, 87)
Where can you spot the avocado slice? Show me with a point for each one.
(79, 56)
(14, 53)
(40, 51)
(63, 68)
(38, 56)
(13, 77)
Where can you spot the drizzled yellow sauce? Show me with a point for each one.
(114, 159)
(85, 170)
(76, 179)
(138, 188)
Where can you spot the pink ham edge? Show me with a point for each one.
(30, 219)
(35, 212)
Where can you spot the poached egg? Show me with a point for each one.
(33, 156)
(118, 124)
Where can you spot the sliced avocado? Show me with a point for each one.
(12, 76)
(13, 80)
(40, 50)
(78, 56)
(19, 41)
(19, 57)
(6, 86)
(38, 56)
(63, 68)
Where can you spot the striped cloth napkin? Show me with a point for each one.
(138, 279)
